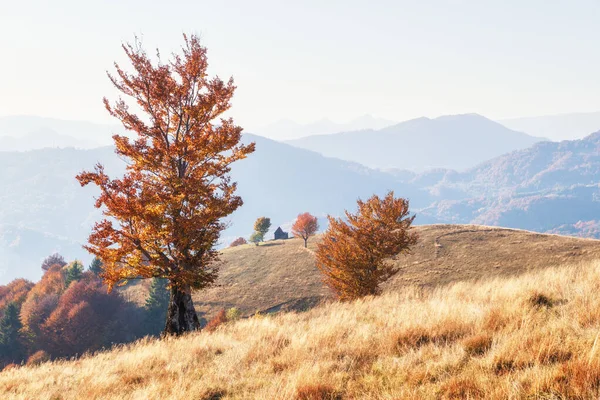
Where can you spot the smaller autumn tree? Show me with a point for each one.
(262, 226)
(53, 259)
(354, 256)
(305, 226)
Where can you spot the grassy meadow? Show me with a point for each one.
(534, 336)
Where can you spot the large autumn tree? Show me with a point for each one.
(354, 255)
(165, 215)
(305, 226)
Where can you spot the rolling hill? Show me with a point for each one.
(454, 142)
(287, 129)
(281, 275)
(506, 337)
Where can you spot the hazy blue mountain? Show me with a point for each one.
(557, 127)
(287, 129)
(456, 142)
(551, 187)
(80, 134)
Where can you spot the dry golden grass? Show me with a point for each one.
(534, 336)
(282, 274)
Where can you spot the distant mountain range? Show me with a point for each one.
(548, 187)
(456, 142)
(557, 127)
(287, 129)
(24, 132)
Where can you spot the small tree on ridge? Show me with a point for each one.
(305, 226)
(262, 226)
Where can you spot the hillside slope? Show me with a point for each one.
(534, 337)
(282, 275)
(454, 141)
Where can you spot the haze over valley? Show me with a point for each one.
(537, 185)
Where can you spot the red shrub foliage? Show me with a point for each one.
(238, 242)
(87, 318)
(217, 321)
(353, 255)
(38, 357)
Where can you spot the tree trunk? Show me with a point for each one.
(306, 243)
(181, 314)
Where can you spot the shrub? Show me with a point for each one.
(216, 321)
(238, 242)
(38, 357)
(233, 314)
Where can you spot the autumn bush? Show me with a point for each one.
(67, 313)
(233, 314)
(238, 242)
(88, 318)
(354, 253)
(38, 357)
(219, 319)
(15, 291)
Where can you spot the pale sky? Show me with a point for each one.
(306, 60)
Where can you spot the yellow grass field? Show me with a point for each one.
(532, 336)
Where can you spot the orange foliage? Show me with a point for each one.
(15, 291)
(165, 214)
(86, 319)
(353, 255)
(216, 321)
(305, 226)
(42, 299)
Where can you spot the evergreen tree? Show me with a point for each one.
(96, 266)
(73, 272)
(11, 348)
(156, 306)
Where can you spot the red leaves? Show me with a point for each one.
(167, 209)
(353, 255)
(305, 226)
